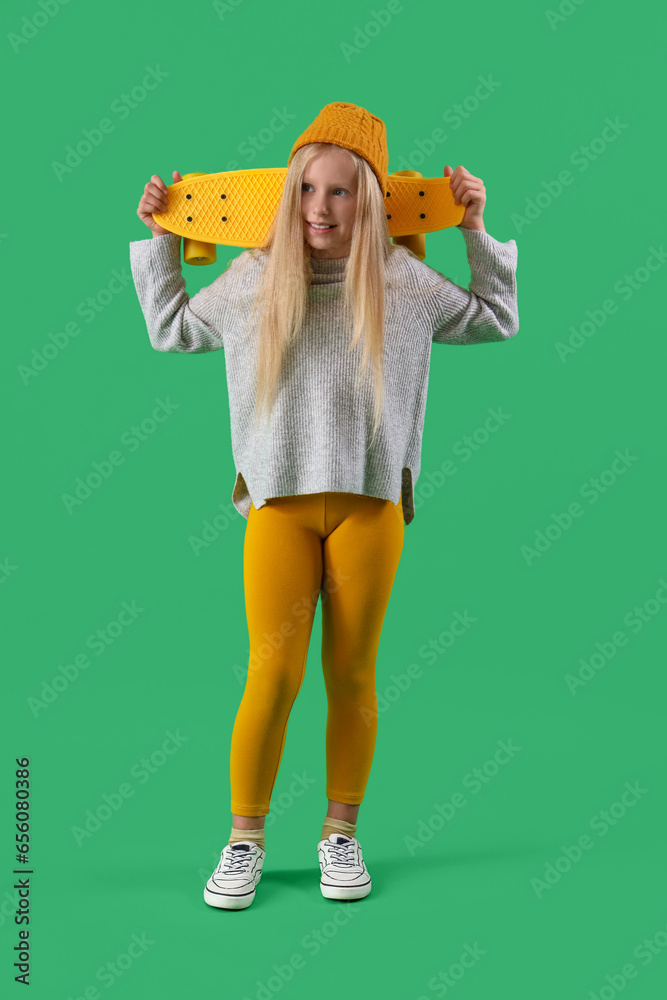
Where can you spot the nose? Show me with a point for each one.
(321, 208)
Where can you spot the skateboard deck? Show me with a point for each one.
(237, 207)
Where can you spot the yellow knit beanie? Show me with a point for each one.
(354, 128)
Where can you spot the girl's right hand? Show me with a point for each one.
(154, 199)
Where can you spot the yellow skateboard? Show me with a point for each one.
(237, 207)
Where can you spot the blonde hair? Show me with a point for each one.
(282, 292)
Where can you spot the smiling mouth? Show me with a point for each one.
(320, 229)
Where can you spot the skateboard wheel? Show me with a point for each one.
(195, 252)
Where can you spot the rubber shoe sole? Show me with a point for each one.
(345, 892)
(233, 883)
(224, 901)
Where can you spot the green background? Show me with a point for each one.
(178, 667)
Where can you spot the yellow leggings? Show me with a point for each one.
(346, 547)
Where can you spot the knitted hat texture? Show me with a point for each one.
(351, 127)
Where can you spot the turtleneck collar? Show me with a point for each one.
(328, 264)
(328, 270)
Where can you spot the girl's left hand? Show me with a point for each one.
(469, 191)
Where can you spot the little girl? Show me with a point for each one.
(326, 426)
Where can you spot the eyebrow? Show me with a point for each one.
(304, 181)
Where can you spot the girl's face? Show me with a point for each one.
(329, 197)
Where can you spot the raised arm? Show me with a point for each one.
(176, 322)
(485, 312)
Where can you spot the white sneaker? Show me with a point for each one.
(344, 874)
(232, 884)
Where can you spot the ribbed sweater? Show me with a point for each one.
(318, 437)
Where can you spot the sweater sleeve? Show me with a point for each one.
(487, 310)
(175, 322)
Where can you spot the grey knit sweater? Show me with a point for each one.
(320, 429)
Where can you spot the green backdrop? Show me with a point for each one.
(515, 813)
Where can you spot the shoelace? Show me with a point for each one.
(342, 854)
(235, 860)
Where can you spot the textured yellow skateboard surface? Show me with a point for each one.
(237, 207)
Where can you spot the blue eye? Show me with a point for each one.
(336, 189)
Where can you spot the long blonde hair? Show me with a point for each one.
(282, 292)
